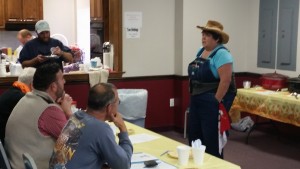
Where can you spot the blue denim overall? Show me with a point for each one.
(204, 111)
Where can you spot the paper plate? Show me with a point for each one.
(174, 154)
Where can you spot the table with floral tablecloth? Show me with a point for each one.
(278, 106)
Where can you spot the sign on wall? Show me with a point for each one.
(133, 24)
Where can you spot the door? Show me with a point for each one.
(32, 10)
(2, 16)
(13, 10)
(96, 10)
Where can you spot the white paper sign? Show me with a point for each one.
(133, 19)
(133, 32)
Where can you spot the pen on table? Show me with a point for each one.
(164, 153)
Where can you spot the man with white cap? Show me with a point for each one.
(40, 49)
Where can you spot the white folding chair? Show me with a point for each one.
(185, 122)
(4, 163)
(28, 161)
(61, 38)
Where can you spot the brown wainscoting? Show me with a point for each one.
(160, 89)
(138, 78)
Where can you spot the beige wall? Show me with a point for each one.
(70, 18)
(239, 17)
(153, 52)
(253, 40)
(61, 17)
(233, 14)
(169, 39)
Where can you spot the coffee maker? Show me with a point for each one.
(108, 55)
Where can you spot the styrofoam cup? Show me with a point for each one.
(246, 84)
(198, 154)
(183, 154)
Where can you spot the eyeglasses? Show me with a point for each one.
(116, 101)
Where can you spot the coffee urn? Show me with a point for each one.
(108, 55)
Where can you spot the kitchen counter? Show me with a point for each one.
(77, 85)
(77, 77)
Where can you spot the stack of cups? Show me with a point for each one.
(198, 154)
(198, 151)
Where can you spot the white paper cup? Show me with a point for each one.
(81, 67)
(198, 154)
(183, 154)
(246, 84)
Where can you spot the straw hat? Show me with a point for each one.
(217, 27)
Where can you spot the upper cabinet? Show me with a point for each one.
(32, 10)
(23, 10)
(277, 37)
(96, 9)
(2, 16)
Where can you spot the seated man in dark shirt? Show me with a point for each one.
(35, 52)
(11, 97)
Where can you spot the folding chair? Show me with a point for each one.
(4, 163)
(28, 161)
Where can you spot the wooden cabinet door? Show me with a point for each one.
(96, 10)
(32, 10)
(13, 9)
(2, 16)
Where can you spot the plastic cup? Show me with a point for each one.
(93, 63)
(198, 154)
(246, 84)
(183, 154)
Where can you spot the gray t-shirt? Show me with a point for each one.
(88, 143)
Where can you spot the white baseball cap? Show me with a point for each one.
(42, 26)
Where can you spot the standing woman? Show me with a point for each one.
(211, 83)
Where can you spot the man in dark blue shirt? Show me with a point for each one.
(37, 51)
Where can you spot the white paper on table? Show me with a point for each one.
(141, 157)
(141, 138)
(161, 165)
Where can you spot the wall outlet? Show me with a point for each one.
(172, 102)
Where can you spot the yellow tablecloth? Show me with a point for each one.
(162, 144)
(278, 106)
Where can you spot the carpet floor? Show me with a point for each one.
(263, 151)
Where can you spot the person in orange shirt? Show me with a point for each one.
(11, 97)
